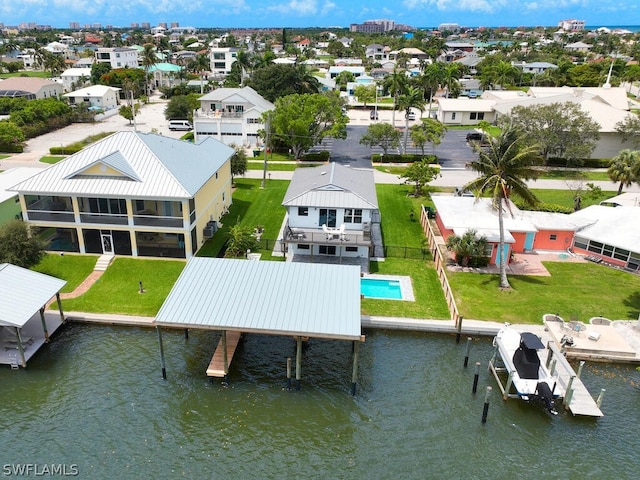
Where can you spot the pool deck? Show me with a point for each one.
(406, 288)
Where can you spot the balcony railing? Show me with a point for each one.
(350, 238)
(104, 218)
(50, 216)
(157, 221)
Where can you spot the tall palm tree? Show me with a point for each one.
(450, 76)
(430, 81)
(413, 98)
(504, 168)
(149, 59)
(395, 83)
(624, 168)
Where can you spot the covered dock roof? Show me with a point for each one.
(276, 298)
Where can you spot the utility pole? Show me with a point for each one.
(133, 112)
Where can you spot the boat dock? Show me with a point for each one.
(218, 367)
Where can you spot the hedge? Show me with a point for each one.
(322, 156)
(11, 148)
(403, 158)
(583, 162)
(68, 150)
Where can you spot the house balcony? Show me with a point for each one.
(158, 221)
(312, 236)
(49, 209)
(104, 218)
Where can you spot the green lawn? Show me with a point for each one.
(117, 291)
(396, 205)
(585, 175)
(583, 290)
(51, 159)
(2, 156)
(26, 73)
(72, 268)
(279, 167)
(430, 302)
(251, 206)
(565, 197)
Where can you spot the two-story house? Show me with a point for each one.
(221, 59)
(118, 57)
(231, 115)
(331, 211)
(131, 193)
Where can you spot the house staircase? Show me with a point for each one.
(103, 262)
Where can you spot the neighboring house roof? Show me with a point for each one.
(627, 199)
(465, 104)
(462, 214)
(12, 176)
(23, 292)
(77, 72)
(332, 186)
(617, 226)
(26, 84)
(165, 67)
(133, 164)
(247, 94)
(256, 296)
(93, 91)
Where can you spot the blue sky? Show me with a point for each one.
(320, 13)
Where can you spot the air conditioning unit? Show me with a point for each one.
(208, 232)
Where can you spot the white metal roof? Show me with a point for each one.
(23, 292)
(332, 186)
(278, 298)
(148, 166)
(245, 94)
(93, 91)
(12, 176)
(617, 226)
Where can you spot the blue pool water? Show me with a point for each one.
(378, 288)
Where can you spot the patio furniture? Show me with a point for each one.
(599, 321)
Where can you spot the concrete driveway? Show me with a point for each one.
(150, 118)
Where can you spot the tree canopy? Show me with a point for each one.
(238, 162)
(302, 121)
(428, 131)
(419, 174)
(382, 135)
(559, 129)
(182, 107)
(276, 80)
(19, 245)
(625, 168)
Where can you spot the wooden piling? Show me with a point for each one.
(354, 374)
(225, 359)
(459, 329)
(549, 355)
(580, 368)
(44, 325)
(23, 361)
(599, 401)
(508, 386)
(475, 378)
(485, 409)
(164, 369)
(466, 355)
(298, 361)
(288, 373)
(186, 334)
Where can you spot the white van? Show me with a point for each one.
(179, 125)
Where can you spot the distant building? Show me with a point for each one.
(221, 59)
(571, 25)
(118, 57)
(448, 27)
(373, 26)
(74, 25)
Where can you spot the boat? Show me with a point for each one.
(529, 376)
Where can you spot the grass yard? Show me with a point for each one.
(585, 175)
(583, 290)
(279, 167)
(565, 197)
(251, 206)
(430, 302)
(72, 268)
(51, 159)
(117, 291)
(396, 206)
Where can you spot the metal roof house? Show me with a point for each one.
(331, 212)
(131, 193)
(24, 328)
(231, 115)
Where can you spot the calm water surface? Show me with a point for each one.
(94, 397)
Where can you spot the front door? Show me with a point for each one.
(327, 217)
(107, 243)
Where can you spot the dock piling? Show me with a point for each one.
(466, 355)
(580, 368)
(599, 401)
(288, 373)
(298, 361)
(569, 394)
(459, 329)
(485, 409)
(475, 378)
(354, 375)
(186, 334)
(164, 369)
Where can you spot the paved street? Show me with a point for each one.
(453, 151)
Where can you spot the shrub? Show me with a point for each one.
(403, 158)
(584, 162)
(322, 156)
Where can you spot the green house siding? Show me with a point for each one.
(9, 209)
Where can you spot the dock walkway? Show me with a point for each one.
(216, 367)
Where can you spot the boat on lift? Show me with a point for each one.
(529, 376)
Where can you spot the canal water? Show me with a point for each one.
(94, 398)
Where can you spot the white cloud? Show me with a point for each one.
(295, 7)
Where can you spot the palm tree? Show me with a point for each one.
(467, 246)
(395, 84)
(413, 98)
(450, 75)
(430, 80)
(624, 168)
(504, 168)
(149, 59)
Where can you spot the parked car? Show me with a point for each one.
(373, 115)
(476, 137)
(180, 125)
(411, 116)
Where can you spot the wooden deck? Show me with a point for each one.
(216, 366)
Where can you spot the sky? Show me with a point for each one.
(319, 13)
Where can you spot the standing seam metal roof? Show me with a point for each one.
(163, 168)
(277, 298)
(24, 292)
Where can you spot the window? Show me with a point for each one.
(303, 246)
(139, 205)
(327, 250)
(476, 116)
(580, 242)
(351, 249)
(327, 217)
(253, 120)
(303, 211)
(553, 236)
(353, 215)
(488, 250)
(595, 247)
(453, 115)
(216, 175)
(621, 254)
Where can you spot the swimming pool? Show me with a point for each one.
(379, 288)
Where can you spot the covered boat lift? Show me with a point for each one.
(24, 327)
(301, 300)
